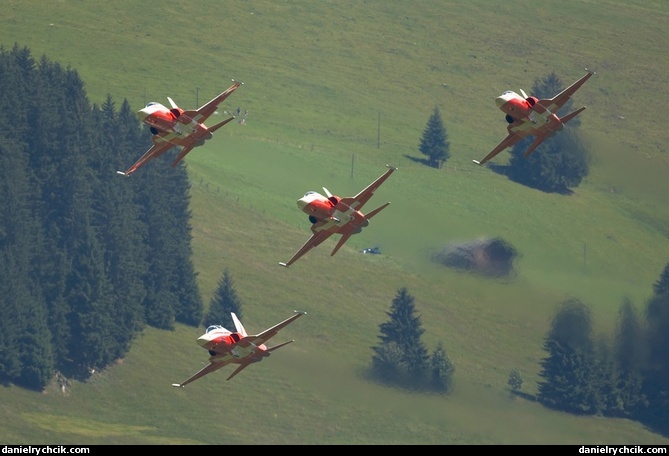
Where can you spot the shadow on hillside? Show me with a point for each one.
(656, 424)
(489, 257)
(526, 396)
(422, 161)
(504, 170)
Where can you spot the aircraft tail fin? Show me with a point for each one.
(534, 145)
(341, 242)
(183, 153)
(172, 103)
(238, 370)
(238, 325)
(568, 117)
(220, 124)
(269, 349)
(376, 211)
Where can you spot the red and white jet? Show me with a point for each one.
(176, 127)
(331, 214)
(228, 347)
(531, 116)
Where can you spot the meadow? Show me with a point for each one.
(334, 91)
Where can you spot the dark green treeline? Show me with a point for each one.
(625, 376)
(88, 258)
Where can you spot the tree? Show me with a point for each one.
(568, 369)
(404, 330)
(86, 259)
(434, 142)
(656, 376)
(661, 286)
(387, 362)
(629, 361)
(515, 381)
(224, 302)
(442, 370)
(123, 233)
(561, 161)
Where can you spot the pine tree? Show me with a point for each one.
(434, 142)
(661, 286)
(656, 376)
(629, 361)
(442, 370)
(118, 252)
(568, 370)
(163, 243)
(515, 381)
(404, 330)
(122, 231)
(26, 357)
(224, 302)
(172, 293)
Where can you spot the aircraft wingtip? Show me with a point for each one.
(283, 264)
(122, 173)
(178, 385)
(477, 162)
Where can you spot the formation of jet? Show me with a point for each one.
(330, 214)
(527, 115)
(236, 347)
(176, 127)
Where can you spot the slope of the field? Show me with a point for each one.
(334, 91)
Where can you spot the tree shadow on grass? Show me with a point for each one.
(422, 161)
(505, 170)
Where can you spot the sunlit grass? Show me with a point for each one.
(334, 92)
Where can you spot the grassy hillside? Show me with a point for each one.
(335, 90)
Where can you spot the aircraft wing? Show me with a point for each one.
(361, 198)
(313, 241)
(509, 141)
(267, 334)
(557, 102)
(208, 369)
(155, 151)
(202, 113)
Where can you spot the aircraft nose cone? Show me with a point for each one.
(203, 340)
(141, 114)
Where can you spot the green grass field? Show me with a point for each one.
(334, 91)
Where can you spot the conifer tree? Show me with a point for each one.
(442, 370)
(26, 357)
(404, 329)
(117, 254)
(434, 142)
(123, 233)
(656, 377)
(568, 368)
(661, 286)
(630, 360)
(515, 381)
(224, 301)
